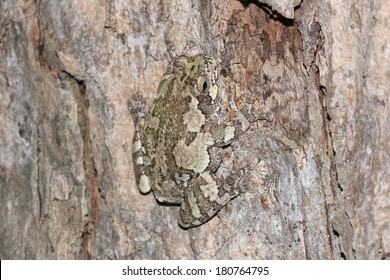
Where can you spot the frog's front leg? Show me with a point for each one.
(225, 133)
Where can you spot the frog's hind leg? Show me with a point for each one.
(140, 159)
(205, 196)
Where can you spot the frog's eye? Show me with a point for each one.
(203, 85)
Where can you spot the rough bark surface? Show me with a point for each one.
(69, 68)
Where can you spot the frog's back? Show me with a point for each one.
(174, 123)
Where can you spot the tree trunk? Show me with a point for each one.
(70, 68)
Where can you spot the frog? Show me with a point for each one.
(179, 141)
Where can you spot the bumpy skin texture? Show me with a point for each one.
(177, 145)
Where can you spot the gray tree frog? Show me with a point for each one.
(178, 143)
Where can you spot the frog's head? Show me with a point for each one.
(201, 74)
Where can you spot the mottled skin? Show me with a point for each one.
(177, 145)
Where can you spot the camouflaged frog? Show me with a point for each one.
(178, 144)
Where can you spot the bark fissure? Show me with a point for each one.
(92, 191)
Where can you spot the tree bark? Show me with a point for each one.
(69, 70)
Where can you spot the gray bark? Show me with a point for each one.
(69, 68)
